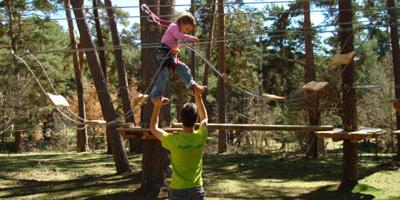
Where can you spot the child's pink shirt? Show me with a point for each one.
(172, 36)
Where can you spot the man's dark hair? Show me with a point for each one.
(189, 114)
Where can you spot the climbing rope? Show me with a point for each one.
(43, 90)
(155, 19)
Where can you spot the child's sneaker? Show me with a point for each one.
(164, 100)
(142, 99)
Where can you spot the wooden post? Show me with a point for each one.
(394, 35)
(153, 160)
(349, 176)
(221, 99)
(314, 116)
(18, 138)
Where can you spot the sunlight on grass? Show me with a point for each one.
(84, 175)
(385, 184)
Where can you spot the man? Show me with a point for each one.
(186, 147)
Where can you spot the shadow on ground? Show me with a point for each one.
(34, 187)
(250, 176)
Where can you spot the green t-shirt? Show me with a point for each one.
(186, 157)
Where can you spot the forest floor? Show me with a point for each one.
(92, 176)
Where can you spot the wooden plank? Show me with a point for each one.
(144, 133)
(261, 127)
(128, 125)
(396, 132)
(335, 134)
(314, 86)
(339, 134)
(136, 135)
(343, 59)
(58, 100)
(95, 122)
(273, 97)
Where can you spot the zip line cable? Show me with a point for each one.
(205, 14)
(117, 120)
(204, 41)
(272, 2)
(43, 90)
(51, 83)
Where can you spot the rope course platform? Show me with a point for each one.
(314, 86)
(95, 122)
(396, 133)
(273, 97)
(58, 100)
(343, 59)
(354, 136)
(129, 131)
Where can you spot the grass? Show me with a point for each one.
(92, 176)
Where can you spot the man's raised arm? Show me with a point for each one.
(201, 107)
(154, 128)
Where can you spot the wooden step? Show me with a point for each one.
(343, 59)
(95, 122)
(58, 100)
(314, 86)
(273, 97)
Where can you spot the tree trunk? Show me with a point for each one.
(81, 132)
(4, 122)
(107, 108)
(349, 179)
(18, 139)
(314, 116)
(122, 77)
(11, 28)
(394, 35)
(101, 52)
(209, 47)
(153, 160)
(100, 39)
(221, 99)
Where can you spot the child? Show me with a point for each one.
(168, 52)
(186, 148)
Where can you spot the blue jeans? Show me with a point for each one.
(187, 194)
(184, 74)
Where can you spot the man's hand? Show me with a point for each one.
(199, 91)
(154, 128)
(161, 101)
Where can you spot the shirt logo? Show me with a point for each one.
(188, 146)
